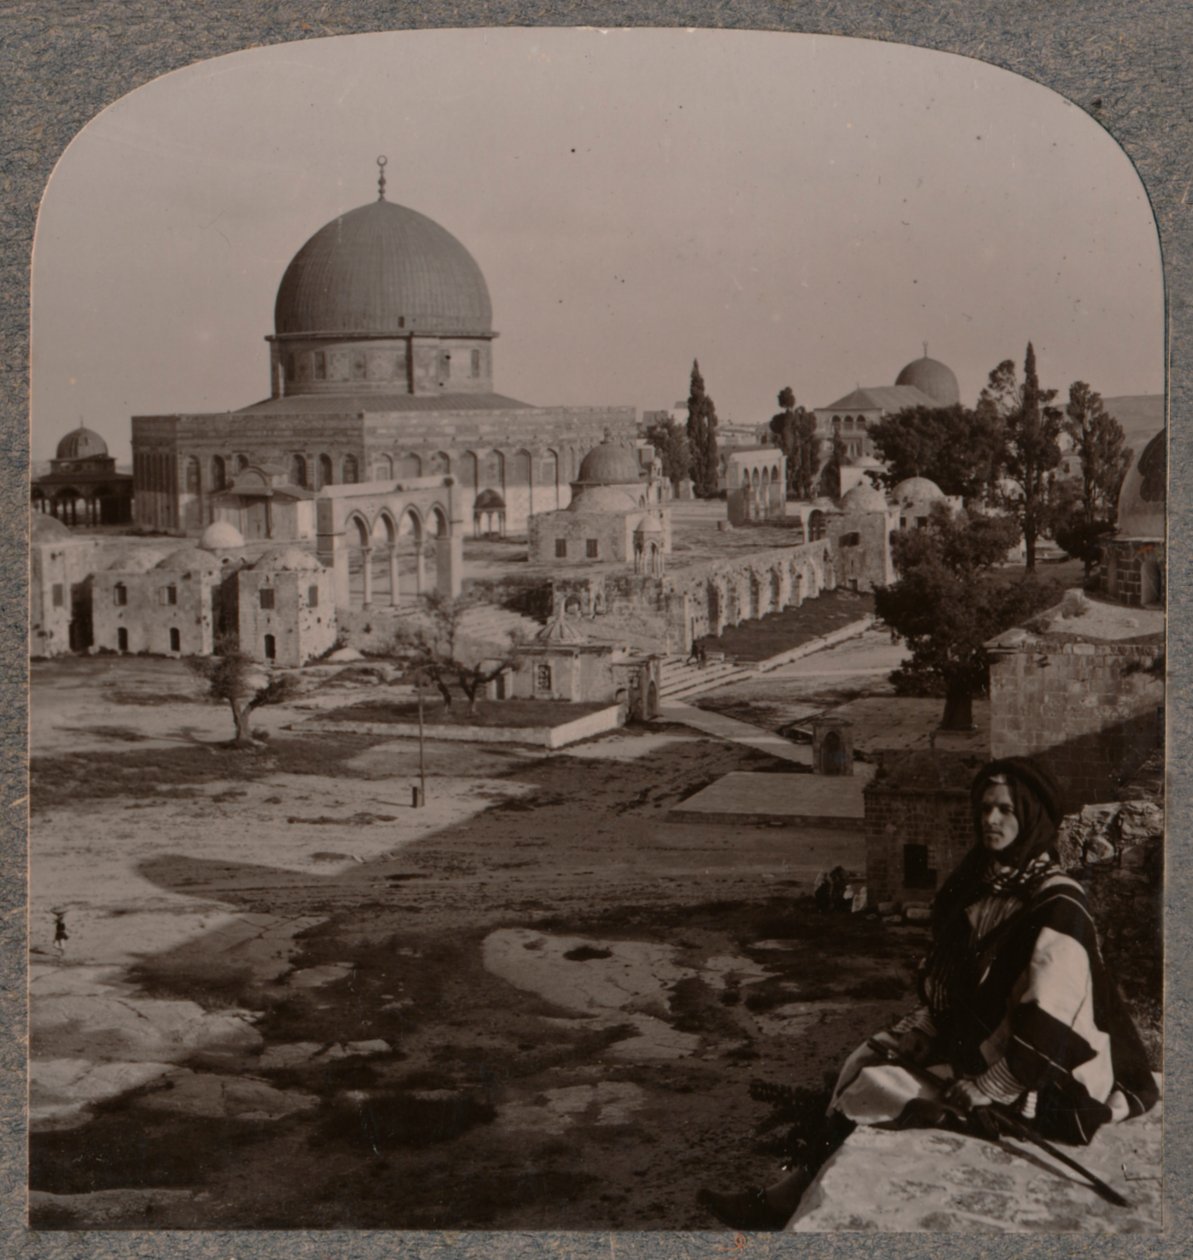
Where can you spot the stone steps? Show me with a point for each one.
(680, 678)
(487, 623)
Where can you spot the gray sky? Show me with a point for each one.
(790, 209)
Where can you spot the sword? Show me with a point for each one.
(1004, 1118)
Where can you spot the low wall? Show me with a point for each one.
(540, 736)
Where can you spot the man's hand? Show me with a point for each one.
(964, 1093)
(915, 1045)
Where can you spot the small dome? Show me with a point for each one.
(287, 560)
(864, 497)
(46, 528)
(561, 629)
(933, 378)
(610, 464)
(383, 270)
(1144, 497)
(649, 525)
(188, 559)
(220, 536)
(917, 490)
(614, 499)
(824, 504)
(82, 443)
(489, 501)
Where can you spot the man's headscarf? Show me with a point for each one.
(1035, 796)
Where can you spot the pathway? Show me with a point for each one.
(722, 727)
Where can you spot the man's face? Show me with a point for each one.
(1000, 827)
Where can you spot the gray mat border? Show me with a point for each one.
(1126, 62)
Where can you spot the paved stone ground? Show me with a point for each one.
(789, 797)
(921, 1180)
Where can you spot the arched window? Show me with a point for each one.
(350, 474)
(242, 462)
(271, 647)
(175, 640)
(192, 475)
(298, 470)
(219, 473)
(122, 640)
(326, 472)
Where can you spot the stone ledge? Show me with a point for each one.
(929, 1179)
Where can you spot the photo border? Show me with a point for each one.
(1125, 63)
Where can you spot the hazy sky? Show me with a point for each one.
(791, 209)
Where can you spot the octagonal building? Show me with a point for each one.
(381, 370)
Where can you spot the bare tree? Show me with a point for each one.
(436, 647)
(244, 684)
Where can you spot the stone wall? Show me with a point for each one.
(59, 593)
(918, 824)
(1133, 571)
(529, 455)
(1092, 710)
(300, 622)
(164, 612)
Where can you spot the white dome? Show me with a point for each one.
(221, 536)
(917, 490)
(864, 497)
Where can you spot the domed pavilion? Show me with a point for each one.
(83, 486)
(1133, 561)
(381, 370)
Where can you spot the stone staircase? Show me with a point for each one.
(682, 677)
(489, 624)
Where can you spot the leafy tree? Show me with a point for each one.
(830, 474)
(958, 448)
(949, 601)
(670, 440)
(793, 430)
(436, 647)
(1100, 444)
(1032, 451)
(702, 436)
(243, 683)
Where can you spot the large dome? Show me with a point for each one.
(82, 443)
(1143, 498)
(932, 378)
(383, 270)
(609, 464)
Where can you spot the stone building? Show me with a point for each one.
(381, 368)
(924, 382)
(83, 486)
(918, 823)
(861, 535)
(60, 564)
(561, 664)
(174, 607)
(618, 514)
(1133, 561)
(755, 485)
(285, 609)
(917, 498)
(1081, 687)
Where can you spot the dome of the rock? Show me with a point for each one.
(382, 270)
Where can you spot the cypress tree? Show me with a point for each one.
(702, 436)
